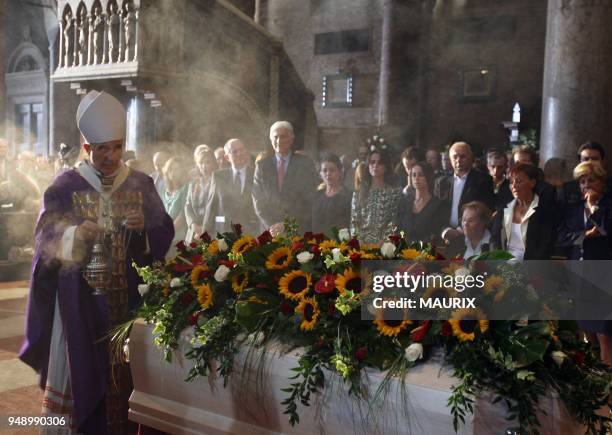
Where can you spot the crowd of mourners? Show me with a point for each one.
(463, 204)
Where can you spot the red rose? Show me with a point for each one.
(418, 333)
(315, 250)
(355, 258)
(265, 237)
(447, 330)
(196, 259)
(193, 245)
(187, 298)
(578, 358)
(395, 239)
(361, 353)
(326, 284)
(237, 229)
(228, 263)
(353, 243)
(180, 246)
(308, 235)
(286, 309)
(297, 246)
(192, 318)
(205, 237)
(319, 237)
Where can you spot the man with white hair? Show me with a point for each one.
(229, 194)
(464, 185)
(102, 205)
(284, 182)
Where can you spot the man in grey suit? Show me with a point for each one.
(284, 183)
(229, 197)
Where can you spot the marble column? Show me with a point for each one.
(384, 84)
(577, 91)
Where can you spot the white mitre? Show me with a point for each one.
(101, 118)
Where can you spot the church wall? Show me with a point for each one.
(432, 41)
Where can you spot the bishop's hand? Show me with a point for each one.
(135, 221)
(88, 231)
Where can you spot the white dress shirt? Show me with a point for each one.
(458, 185)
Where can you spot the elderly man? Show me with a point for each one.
(229, 195)
(284, 182)
(465, 185)
(99, 206)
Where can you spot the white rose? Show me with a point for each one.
(344, 235)
(414, 352)
(222, 245)
(175, 282)
(462, 271)
(304, 257)
(388, 250)
(143, 289)
(558, 357)
(336, 253)
(221, 273)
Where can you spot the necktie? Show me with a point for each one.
(281, 173)
(238, 181)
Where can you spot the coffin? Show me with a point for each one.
(163, 400)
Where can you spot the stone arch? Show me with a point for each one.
(26, 52)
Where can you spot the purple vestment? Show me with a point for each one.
(84, 316)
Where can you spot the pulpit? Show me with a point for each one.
(251, 402)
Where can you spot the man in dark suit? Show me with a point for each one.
(229, 197)
(465, 185)
(497, 164)
(284, 183)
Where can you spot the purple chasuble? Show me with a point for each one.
(84, 316)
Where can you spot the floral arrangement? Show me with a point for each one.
(304, 291)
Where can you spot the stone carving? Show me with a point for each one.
(129, 28)
(82, 40)
(68, 37)
(113, 33)
(97, 28)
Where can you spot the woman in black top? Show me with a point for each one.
(421, 214)
(332, 204)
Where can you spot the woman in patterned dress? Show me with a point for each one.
(374, 206)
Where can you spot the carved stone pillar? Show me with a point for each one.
(2, 89)
(60, 61)
(385, 62)
(577, 93)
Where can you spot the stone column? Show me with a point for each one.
(2, 89)
(384, 83)
(577, 92)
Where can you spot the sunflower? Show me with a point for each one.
(439, 293)
(465, 321)
(243, 244)
(213, 247)
(410, 254)
(370, 247)
(390, 327)
(239, 281)
(280, 258)
(195, 274)
(364, 255)
(294, 285)
(308, 308)
(494, 284)
(328, 245)
(205, 296)
(349, 280)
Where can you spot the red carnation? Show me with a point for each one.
(187, 298)
(193, 245)
(361, 353)
(196, 259)
(205, 237)
(265, 237)
(353, 243)
(315, 250)
(286, 309)
(297, 246)
(418, 333)
(355, 258)
(237, 229)
(228, 263)
(180, 245)
(447, 330)
(395, 239)
(326, 284)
